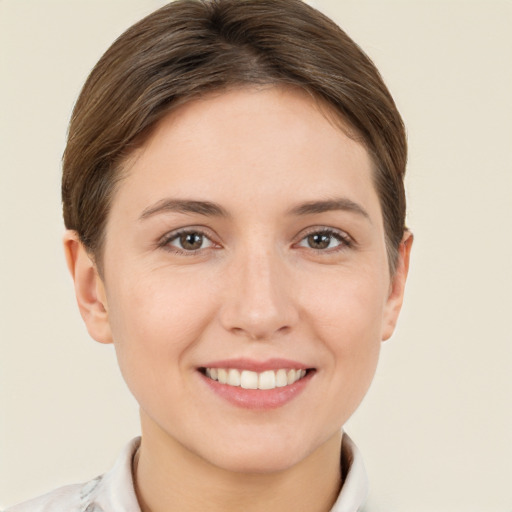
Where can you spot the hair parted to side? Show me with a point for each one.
(191, 47)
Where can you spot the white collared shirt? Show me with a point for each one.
(114, 491)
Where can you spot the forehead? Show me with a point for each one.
(251, 143)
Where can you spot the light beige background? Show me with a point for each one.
(435, 429)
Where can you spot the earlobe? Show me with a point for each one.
(397, 289)
(89, 288)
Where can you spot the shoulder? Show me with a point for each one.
(112, 492)
(66, 499)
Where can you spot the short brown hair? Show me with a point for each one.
(192, 47)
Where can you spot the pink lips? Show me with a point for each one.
(257, 366)
(257, 398)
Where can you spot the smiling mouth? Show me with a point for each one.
(246, 379)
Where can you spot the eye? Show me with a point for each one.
(189, 241)
(325, 240)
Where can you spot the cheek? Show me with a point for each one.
(348, 320)
(156, 322)
(349, 306)
(157, 318)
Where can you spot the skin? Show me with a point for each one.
(255, 288)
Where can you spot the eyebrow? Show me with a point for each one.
(210, 209)
(206, 208)
(328, 205)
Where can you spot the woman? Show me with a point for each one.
(233, 194)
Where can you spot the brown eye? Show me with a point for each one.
(319, 240)
(188, 241)
(191, 241)
(325, 240)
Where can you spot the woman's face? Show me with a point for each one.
(246, 244)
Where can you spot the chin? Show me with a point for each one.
(263, 454)
(262, 461)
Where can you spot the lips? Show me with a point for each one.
(257, 385)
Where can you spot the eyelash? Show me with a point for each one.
(345, 241)
(176, 235)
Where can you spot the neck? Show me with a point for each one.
(169, 477)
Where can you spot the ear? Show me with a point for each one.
(89, 288)
(397, 287)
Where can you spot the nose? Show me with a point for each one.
(258, 300)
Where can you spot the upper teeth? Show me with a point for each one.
(246, 379)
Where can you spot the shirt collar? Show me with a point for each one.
(115, 490)
(354, 491)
